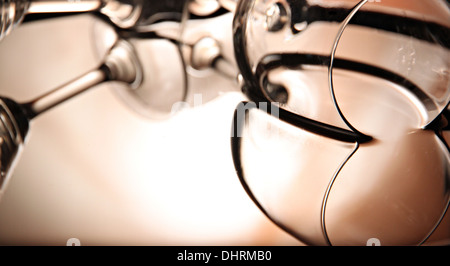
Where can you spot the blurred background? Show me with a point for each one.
(95, 170)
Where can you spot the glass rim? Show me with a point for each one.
(253, 78)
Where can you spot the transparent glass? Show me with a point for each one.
(123, 14)
(402, 41)
(280, 170)
(378, 69)
(151, 81)
(156, 38)
(11, 14)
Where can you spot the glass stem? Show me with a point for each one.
(121, 64)
(65, 92)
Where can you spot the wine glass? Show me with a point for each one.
(128, 62)
(342, 139)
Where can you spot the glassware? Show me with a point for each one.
(123, 13)
(377, 72)
(121, 64)
(165, 84)
(342, 141)
(151, 87)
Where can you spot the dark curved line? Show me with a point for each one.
(306, 124)
(322, 129)
(342, 28)
(328, 191)
(236, 155)
(297, 60)
(422, 30)
(218, 12)
(251, 85)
